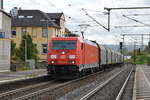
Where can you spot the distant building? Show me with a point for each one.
(5, 35)
(40, 25)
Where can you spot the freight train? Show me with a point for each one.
(71, 57)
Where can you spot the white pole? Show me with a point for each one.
(25, 50)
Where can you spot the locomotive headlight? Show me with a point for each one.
(53, 56)
(72, 62)
(72, 56)
(52, 62)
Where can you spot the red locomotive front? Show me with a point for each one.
(64, 56)
(70, 57)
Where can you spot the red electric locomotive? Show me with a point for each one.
(69, 57)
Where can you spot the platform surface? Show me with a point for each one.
(142, 83)
(6, 76)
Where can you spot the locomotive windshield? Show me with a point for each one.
(64, 44)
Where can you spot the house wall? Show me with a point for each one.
(4, 55)
(62, 25)
(38, 39)
(5, 26)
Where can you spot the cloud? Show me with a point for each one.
(78, 16)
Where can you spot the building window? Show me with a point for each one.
(56, 33)
(44, 32)
(2, 34)
(29, 16)
(13, 32)
(35, 44)
(20, 17)
(34, 32)
(23, 31)
(44, 48)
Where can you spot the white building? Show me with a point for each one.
(5, 34)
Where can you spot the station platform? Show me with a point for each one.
(142, 83)
(12, 76)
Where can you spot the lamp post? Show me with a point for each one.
(25, 53)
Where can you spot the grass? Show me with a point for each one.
(140, 59)
(22, 68)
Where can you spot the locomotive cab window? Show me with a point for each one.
(64, 44)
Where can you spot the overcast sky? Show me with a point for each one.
(75, 16)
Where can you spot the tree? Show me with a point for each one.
(147, 48)
(27, 44)
(124, 51)
(13, 50)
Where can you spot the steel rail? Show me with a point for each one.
(124, 86)
(14, 92)
(37, 93)
(91, 93)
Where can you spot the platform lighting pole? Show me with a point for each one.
(25, 53)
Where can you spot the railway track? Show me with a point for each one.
(29, 92)
(120, 94)
(19, 83)
(55, 90)
(32, 90)
(51, 88)
(93, 95)
(22, 91)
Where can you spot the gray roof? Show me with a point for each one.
(55, 15)
(38, 18)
